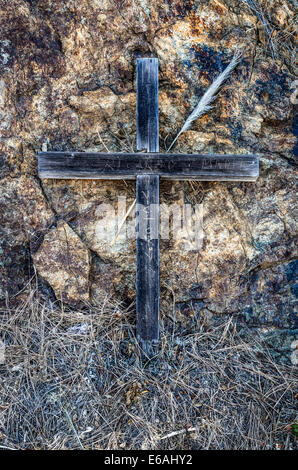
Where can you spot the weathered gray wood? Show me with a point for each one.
(147, 280)
(147, 209)
(77, 165)
(147, 105)
(146, 169)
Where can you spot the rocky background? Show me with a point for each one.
(67, 79)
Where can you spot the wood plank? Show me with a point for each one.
(147, 209)
(147, 282)
(147, 105)
(78, 165)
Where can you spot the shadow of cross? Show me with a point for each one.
(147, 166)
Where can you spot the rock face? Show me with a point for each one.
(63, 261)
(68, 79)
(25, 218)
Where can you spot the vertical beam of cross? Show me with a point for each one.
(147, 105)
(147, 210)
(147, 167)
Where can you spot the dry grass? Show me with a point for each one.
(280, 41)
(73, 379)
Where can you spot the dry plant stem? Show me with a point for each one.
(208, 97)
(257, 9)
(101, 140)
(86, 362)
(73, 428)
(176, 433)
(123, 221)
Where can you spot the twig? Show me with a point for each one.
(176, 433)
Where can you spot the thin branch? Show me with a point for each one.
(176, 433)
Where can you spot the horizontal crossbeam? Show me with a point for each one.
(79, 165)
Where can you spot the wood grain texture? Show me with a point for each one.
(147, 282)
(147, 105)
(77, 165)
(146, 168)
(147, 209)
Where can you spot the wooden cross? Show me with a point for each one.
(147, 167)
